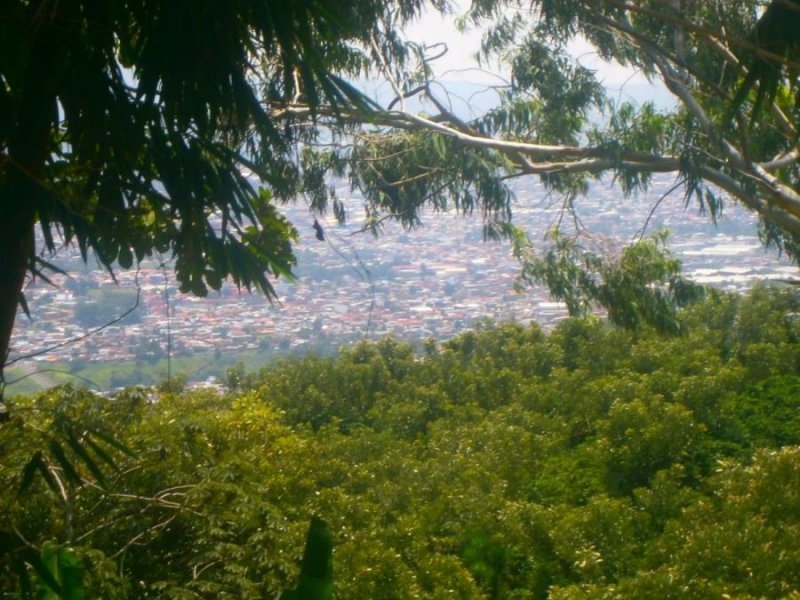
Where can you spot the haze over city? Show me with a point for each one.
(433, 281)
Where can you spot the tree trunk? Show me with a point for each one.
(23, 186)
(16, 245)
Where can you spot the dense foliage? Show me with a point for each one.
(592, 462)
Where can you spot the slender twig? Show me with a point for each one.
(640, 234)
(139, 536)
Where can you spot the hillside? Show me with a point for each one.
(589, 462)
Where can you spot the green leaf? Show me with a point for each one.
(99, 450)
(439, 146)
(37, 463)
(125, 257)
(77, 448)
(316, 572)
(65, 570)
(29, 471)
(48, 584)
(111, 441)
(23, 302)
(70, 473)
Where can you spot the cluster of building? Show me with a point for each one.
(434, 281)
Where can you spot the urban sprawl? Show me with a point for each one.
(433, 281)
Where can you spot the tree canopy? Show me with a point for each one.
(731, 67)
(125, 127)
(590, 462)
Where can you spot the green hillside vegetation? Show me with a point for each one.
(151, 366)
(591, 462)
(106, 375)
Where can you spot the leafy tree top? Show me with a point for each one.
(731, 67)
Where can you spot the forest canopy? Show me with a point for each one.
(591, 462)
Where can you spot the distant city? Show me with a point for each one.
(434, 281)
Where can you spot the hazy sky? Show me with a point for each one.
(459, 65)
